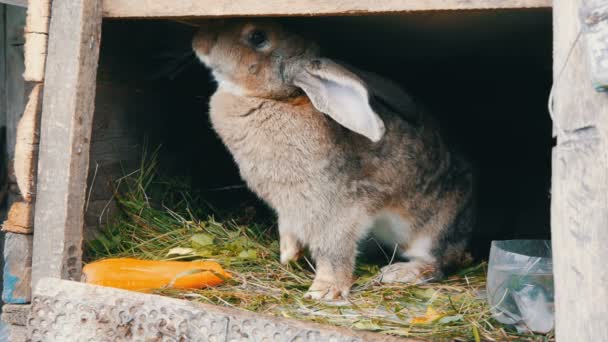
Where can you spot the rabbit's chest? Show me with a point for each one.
(276, 146)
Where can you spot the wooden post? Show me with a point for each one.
(579, 208)
(67, 117)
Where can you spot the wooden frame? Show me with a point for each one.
(580, 159)
(67, 117)
(579, 208)
(230, 8)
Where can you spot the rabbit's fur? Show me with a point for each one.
(338, 153)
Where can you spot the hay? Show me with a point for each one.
(453, 309)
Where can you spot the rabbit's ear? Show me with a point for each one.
(339, 93)
(390, 95)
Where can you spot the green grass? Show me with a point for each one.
(156, 217)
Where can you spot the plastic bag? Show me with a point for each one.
(520, 284)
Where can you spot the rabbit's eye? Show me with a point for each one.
(257, 38)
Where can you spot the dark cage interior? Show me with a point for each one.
(485, 74)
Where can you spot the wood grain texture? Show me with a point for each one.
(67, 119)
(579, 208)
(20, 218)
(38, 16)
(36, 37)
(26, 146)
(35, 56)
(17, 268)
(224, 8)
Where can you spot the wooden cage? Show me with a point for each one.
(82, 126)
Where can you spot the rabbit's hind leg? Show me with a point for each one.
(414, 271)
(422, 266)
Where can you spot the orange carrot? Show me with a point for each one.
(144, 275)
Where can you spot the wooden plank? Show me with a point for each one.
(224, 8)
(84, 310)
(26, 146)
(579, 207)
(67, 118)
(20, 218)
(36, 36)
(17, 268)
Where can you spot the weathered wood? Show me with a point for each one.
(20, 218)
(223, 8)
(35, 56)
(17, 268)
(26, 147)
(579, 208)
(38, 16)
(67, 118)
(76, 311)
(36, 36)
(16, 314)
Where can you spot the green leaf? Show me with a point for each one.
(205, 252)
(476, 334)
(238, 245)
(201, 240)
(248, 254)
(366, 325)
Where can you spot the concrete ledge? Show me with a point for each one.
(66, 310)
(15, 314)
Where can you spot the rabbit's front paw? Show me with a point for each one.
(407, 272)
(291, 249)
(327, 291)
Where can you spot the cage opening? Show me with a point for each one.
(484, 74)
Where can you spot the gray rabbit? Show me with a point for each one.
(338, 153)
